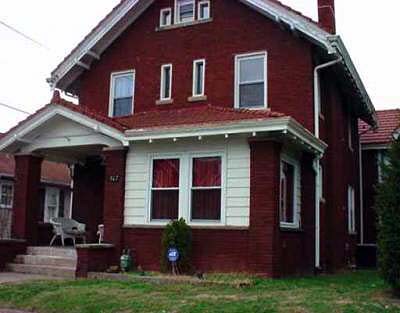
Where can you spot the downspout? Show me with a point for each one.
(316, 164)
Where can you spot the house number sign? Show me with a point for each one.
(114, 178)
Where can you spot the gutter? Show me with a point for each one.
(316, 165)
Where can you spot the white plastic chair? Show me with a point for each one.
(67, 228)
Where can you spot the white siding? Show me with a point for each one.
(237, 176)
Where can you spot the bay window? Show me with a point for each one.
(122, 93)
(251, 81)
(184, 11)
(206, 189)
(288, 201)
(165, 189)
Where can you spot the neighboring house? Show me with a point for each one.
(54, 194)
(238, 116)
(374, 145)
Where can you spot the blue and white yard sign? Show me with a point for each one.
(173, 254)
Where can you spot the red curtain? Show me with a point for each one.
(165, 203)
(207, 172)
(166, 173)
(206, 203)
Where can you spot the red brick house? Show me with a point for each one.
(239, 116)
(54, 194)
(374, 146)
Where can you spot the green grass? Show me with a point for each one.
(362, 292)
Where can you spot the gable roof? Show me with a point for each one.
(389, 123)
(127, 11)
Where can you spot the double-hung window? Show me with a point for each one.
(166, 82)
(165, 17)
(251, 81)
(206, 189)
(122, 94)
(184, 11)
(7, 193)
(52, 204)
(165, 189)
(351, 209)
(203, 10)
(288, 203)
(199, 69)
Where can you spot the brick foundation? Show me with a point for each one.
(9, 249)
(93, 258)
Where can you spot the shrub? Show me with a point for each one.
(388, 209)
(177, 234)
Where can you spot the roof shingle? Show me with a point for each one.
(389, 122)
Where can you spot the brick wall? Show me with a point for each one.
(235, 29)
(9, 250)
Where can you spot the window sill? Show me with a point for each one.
(186, 24)
(286, 229)
(205, 227)
(197, 98)
(163, 102)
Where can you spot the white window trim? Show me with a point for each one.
(162, 15)
(162, 82)
(195, 62)
(177, 13)
(46, 197)
(10, 206)
(351, 210)
(223, 187)
(296, 209)
(199, 10)
(247, 56)
(112, 85)
(185, 184)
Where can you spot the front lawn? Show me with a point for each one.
(362, 291)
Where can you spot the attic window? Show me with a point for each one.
(184, 11)
(165, 17)
(204, 10)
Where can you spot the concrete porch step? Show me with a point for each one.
(46, 260)
(65, 272)
(52, 251)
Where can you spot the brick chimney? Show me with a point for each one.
(326, 15)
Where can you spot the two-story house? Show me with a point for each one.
(239, 116)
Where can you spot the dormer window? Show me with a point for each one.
(165, 17)
(204, 10)
(184, 11)
(122, 93)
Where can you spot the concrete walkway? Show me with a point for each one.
(12, 278)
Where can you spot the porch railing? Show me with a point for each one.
(5, 223)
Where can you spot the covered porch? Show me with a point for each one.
(95, 154)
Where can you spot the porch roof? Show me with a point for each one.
(184, 121)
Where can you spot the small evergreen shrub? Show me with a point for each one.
(388, 209)
(177, 234)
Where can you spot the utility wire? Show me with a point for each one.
(13, 29)
(14, 108)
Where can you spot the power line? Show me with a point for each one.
(14, 108)
(23, 35)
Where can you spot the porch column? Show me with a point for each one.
(26, 197)
(264, 207)
(114, 196)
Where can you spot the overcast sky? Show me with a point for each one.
(369, 29)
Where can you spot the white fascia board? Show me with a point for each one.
(337, 42)
(295, 21)
(93, 38)
(285, 125)
(38, 120)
